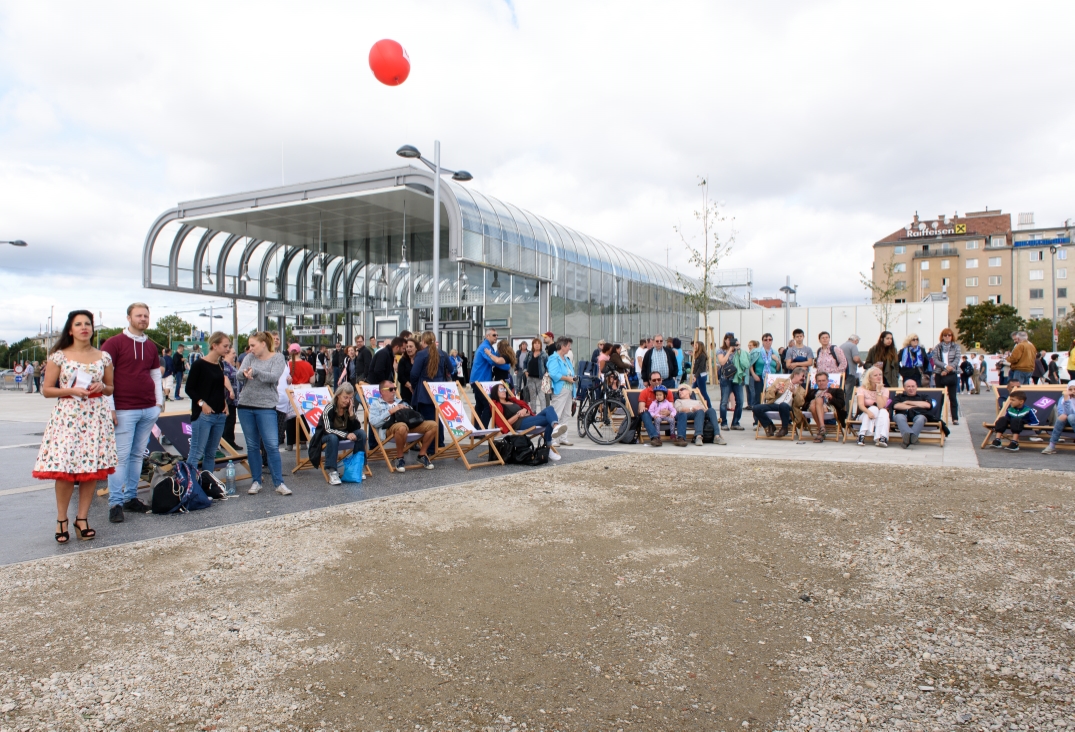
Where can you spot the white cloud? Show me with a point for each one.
(824, 125)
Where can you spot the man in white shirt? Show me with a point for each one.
(644, 344)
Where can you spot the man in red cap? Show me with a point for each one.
(550, 342)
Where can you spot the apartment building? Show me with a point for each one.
(965, 259)
(1040, 269)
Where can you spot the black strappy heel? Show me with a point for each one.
(84, 534)
(62, 537)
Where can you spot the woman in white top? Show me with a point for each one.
(873, 408)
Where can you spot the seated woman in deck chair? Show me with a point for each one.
(337, 424)
(515, 414)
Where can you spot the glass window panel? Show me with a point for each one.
(541, 237)
(490, 221)
(467, 208)
(507, 223)
(472, 245)
(493, 250)
(526, 233)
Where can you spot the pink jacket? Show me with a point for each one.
(655, 407)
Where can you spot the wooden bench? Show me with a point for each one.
(932, 432)
(1042, 399)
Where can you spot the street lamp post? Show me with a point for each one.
(788, 291)
(1052, 256)
(409, 151)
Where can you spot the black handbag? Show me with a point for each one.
(514, 449)
(410, 417)
(538, 454)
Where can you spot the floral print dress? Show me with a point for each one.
(80, 441)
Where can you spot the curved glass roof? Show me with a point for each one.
(503, 222)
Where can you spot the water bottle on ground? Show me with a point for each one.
(229, 479)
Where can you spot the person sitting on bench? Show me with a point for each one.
(394, 420)
(825, 400)
(1017, 416)
(688, 408)
(782, 396)
(662, 412)
(911, 411)
(1065, 417)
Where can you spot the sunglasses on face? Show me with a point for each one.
(391, 388)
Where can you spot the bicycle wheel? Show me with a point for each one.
(580, 414)
(606, 421)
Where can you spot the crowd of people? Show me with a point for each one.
(109, 399)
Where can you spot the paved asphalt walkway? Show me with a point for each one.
(27, 506)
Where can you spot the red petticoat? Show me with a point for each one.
(74, 477)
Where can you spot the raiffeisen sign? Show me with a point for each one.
(912, 233)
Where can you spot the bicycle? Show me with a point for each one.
(607, 420)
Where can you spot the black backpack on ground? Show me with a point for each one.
(513, 448)
(537, 455)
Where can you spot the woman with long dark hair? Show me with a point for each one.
(403, 370)
(79, 444)
(701, 372)
(883, 355)
(207, 387)
(503, 372)
(430, 364)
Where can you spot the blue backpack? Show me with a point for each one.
(191, 495)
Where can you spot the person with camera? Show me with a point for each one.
(394, 420)
(732, 366)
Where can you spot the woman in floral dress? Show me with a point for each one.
(79, 445)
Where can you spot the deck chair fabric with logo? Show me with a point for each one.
(309, 403)
(495, 407)
(461, 436)
(377, 447)
(1042, 400)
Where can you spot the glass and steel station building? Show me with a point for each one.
(355, 255)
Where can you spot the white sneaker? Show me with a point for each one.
(553, 456)
(559, 430)
(289, 448)
(562, 441)
(255, 488)
(698, 440)
(334, 478)
(283, 490)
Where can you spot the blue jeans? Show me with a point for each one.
(546, 418)
(653, 427)
(260, 428)
(699, 418)
(753, 389)
(132, 437)
(699, 384)
(1019, 377)
(178, 385)
(205, 434)
(761, 414)
(1069, 421)
(330, 448)
(727, 386)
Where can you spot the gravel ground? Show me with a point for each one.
(623, 593)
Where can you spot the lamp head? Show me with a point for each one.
(17, 243)
(408, 151)
(462, 176)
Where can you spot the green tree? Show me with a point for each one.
(175, 325)
(701, 293)
(103, 334)
(989, 324)
(1040, 332)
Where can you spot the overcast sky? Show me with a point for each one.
(823, 125)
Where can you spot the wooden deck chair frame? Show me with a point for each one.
(459, 447)
(935, 433)
(631, 410)
(794, 434)
(376, 449)
(1037, 430)
(302, 429)
(690, 433)
(529, 431)
(229, 451)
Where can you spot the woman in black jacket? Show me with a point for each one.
(403, 370)
(337, 424)
(430, 364)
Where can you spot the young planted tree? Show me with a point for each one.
(703, 290)
(883, 291)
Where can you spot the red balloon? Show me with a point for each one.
(389, 62)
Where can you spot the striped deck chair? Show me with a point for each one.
(461, 436)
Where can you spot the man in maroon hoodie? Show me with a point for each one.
(137, 401)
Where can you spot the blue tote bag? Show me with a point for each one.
(353, 466)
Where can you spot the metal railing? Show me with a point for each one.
(942, 252)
